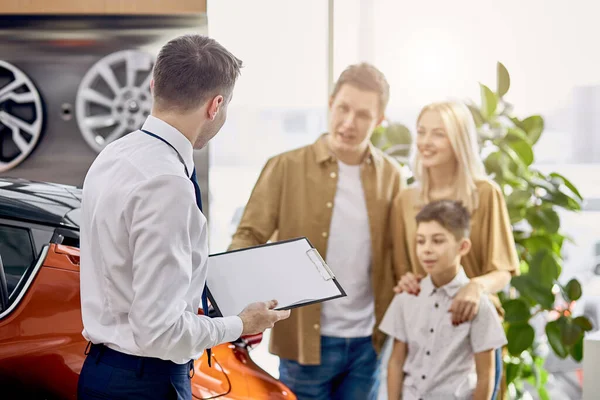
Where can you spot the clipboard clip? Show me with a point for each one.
(320, 264)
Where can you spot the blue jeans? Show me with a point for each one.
(498, 373)
(348, 370)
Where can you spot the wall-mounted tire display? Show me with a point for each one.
(21, 116)
(114, 97)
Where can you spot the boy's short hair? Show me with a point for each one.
(450, 214)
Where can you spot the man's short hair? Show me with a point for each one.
(450, 214)
(190, 69)
(365, 76)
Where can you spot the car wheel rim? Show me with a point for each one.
(114, 97)
(21, 116)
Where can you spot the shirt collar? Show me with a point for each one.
(323, 154)
(451, 288)
(181, 144)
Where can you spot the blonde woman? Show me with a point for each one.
(447, 165)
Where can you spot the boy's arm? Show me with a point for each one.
(395, 371)
(485, 365)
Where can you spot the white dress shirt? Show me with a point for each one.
(440, 362)
(144, 249)
(349, 256)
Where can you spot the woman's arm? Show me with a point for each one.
(466, 303)
(395, 372)
(499, 260)
(485, 365)
(492, 282)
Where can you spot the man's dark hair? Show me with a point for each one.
(450, 214)
(365, 77)
(190, 69)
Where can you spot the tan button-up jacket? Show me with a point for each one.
(293, 197)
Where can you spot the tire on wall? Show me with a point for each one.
(114, 97)
(21, 116)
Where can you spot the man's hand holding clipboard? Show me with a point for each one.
(258, 317)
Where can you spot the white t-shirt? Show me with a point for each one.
(349, 256)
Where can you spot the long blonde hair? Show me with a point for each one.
(462, 134)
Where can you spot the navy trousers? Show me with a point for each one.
(108, 374)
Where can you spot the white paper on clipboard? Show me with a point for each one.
(291, 272)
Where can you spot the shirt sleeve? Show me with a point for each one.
(261, 214)
(500, 253)
(393, 323)
(487, 332)
(162, 213)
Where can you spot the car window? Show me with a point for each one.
(17, 253)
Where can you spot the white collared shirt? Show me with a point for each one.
(440, 362)
(144, 249)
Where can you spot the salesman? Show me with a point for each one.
(144, 239)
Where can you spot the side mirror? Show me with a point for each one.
(3, 288)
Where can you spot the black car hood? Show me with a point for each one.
(40, 202)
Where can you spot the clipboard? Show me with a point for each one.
(289, 271)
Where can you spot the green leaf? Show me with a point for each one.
(496, 163)
(489, 101)
(560, 199)
(537, 242)
(514, 164)
(513, 372)
(544, 268)
(543, 218)
(517, 134)
(534, 290)
(570, 333)
(477, 116)
(539, 363)
(502, 79)
(398, 134)
(543, 393)
(523, 150)
(520, 338)
(516, 214)
(534, 126)
(584, 323)
(539, 373)
(577, 350)
(573, 290)
(377, 138)
(518, 198)
(555, 339)
(539, 180)
(516, 311)
(568, 184)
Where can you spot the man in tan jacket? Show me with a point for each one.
(337, 192)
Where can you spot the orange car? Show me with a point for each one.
(41, 346)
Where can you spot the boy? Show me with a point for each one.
(432, 359)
